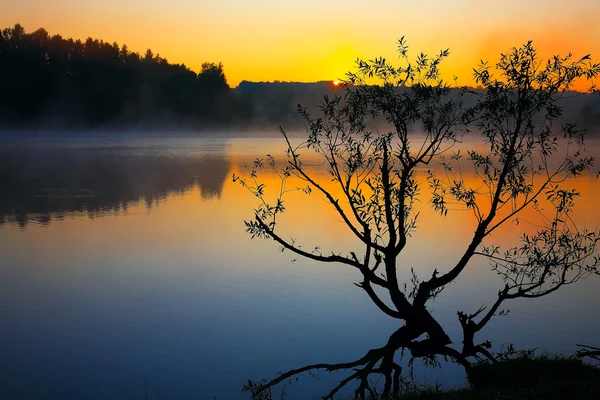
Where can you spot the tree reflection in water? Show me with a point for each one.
(45, 184)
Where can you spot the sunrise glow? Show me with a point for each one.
(295, 40)
(197, 196)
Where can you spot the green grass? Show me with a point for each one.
(543, 377)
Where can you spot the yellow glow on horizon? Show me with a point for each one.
(310, 40)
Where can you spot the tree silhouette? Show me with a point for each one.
(50, 81)
(375, 191)
(92, 83)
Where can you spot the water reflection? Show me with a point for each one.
(88, 309)
(44, 183)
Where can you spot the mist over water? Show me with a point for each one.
(126, 258)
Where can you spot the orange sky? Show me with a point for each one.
(311, 40)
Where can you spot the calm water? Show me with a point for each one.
(126, 259)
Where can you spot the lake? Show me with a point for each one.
(125, 268)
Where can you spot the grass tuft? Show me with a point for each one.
(546, 377)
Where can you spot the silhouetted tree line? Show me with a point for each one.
(90, 83)
(49, 81)
(276, 103)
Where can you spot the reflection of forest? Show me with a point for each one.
(42, 185)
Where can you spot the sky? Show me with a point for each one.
(313, 40)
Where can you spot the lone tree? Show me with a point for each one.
(516, 115)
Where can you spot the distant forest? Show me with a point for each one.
(47, 81)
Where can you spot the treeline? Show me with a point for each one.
(48, 81)
(48, 78)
